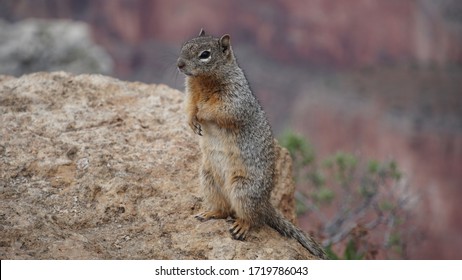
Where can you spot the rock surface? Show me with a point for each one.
(49, 45)
(95, 168)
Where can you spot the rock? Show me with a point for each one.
(49, 45)
(95, 168)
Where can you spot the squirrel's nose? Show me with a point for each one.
(181, 64)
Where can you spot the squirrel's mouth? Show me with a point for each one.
(184, 71)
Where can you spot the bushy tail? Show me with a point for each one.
(277, 221)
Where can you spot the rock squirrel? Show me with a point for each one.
(237, 144)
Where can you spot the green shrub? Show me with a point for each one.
(359, 205)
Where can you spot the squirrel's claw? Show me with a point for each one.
(207, 215)
(198, 130)
(201, 217)
(239, 229)
(196, 127)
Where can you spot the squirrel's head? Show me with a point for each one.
(205, 54)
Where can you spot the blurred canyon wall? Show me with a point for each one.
(349, 33)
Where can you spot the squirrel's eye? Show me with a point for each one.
(204, 55)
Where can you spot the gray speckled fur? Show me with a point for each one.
(227, 151)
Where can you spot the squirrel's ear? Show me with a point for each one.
(202, 33)
(225, 42)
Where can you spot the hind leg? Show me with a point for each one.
(246, 207)
(218, 204)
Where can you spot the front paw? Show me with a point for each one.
(195, 126)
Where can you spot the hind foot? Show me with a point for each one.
(207, 215)
(239, 229)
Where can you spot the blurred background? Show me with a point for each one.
(349, 82)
